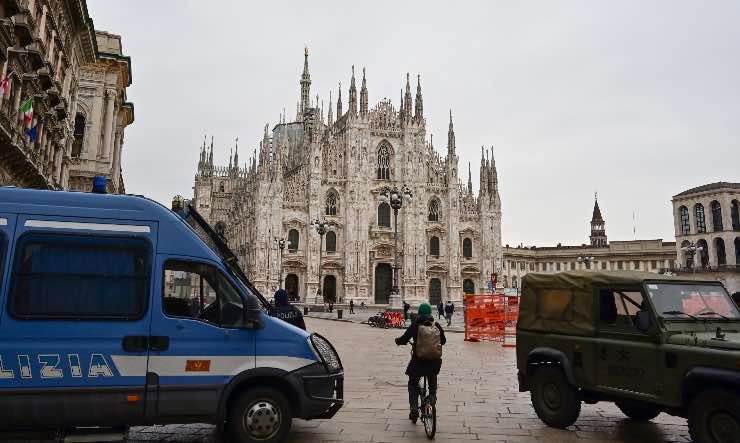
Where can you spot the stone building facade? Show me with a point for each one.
(316, 167)
(632, 255)
(52, 49)
(708, 217)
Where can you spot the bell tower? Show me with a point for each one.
(598, 229)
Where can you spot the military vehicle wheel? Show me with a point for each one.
(555, 400)
(714, 417)
(260, 415)
(638, 411)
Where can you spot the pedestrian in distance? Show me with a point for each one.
(440, 310)
(286, 311)
(351, 306)
(449, 309)
(406, 308)
(426, 355)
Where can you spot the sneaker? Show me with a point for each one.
(413, 416)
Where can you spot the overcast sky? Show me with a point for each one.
(638, 100)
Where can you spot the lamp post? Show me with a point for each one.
(281, 244)
(395, 198)
(691, 249)
(587, 260)
(322, 227)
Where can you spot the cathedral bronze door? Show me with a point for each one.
(291, 287)
(383, 283)
(435, 291)
(330, 289)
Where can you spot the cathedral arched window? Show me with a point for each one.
(331, 242)
(332, 203)
(716, 216)
(701, 224)
(293, 238)
(384, 215)
(434, 209)
(434, 246)
(384, 161)
(467, 248)
(684, 217)
(221, 187)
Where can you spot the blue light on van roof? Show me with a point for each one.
(99, 184)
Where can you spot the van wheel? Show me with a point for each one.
(555, 400)
(638, 411)
(714, 417)
(260, 415)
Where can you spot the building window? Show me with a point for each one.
(331, 242)
(468, 286)
(332, 203)
(532, 267)
(684, 215)
(654, 264)
(701, 224)
(620, 265)
(384, 162)
(735, 215)
(523, 266)
(293, 239)
(557, 267)
(220, 229)
(434, 246)
(221, 187)
(716, 216)
(79, 135)
(384, 215)
(637, 265)
(603, 265)
(434, 210)
(80, 277)
(572, 266)
(719, 245)
(200, 292)
(467, 248)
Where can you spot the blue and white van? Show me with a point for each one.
(117, 311)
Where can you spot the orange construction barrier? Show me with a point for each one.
(491, 317)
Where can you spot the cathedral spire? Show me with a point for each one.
(305, 84)
(400, 108)
(353, 94)
(419, 107)
(363, 94)
(470, 181)
(451, 137)
(330, 115)
(339, 102)
(236, 152)
(407, 98)
(483, 179)
(210, 155)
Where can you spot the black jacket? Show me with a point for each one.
(418, 367)
(290, 314)
(449, 308)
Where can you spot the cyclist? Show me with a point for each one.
(418, 367)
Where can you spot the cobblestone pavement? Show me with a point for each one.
(477, 400)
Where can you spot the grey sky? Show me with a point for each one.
(638, 100)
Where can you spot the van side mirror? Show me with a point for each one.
(643, 321)
(252, 314)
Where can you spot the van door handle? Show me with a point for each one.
(135, 343)
(159, 343)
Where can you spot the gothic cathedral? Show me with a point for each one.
(449, 240)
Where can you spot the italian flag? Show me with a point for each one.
(27, 110)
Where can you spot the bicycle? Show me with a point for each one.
(427, 408)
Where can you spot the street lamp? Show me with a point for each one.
(395, 197)
(281, 244)
(322, 227)
(691, 249)
(587, 260)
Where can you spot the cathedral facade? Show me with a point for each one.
(449, 239)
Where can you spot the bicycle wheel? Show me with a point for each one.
(429, 417)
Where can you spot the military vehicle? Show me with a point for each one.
(647, 342)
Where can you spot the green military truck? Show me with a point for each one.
(647, 342)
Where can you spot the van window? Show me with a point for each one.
(69, 276)
(200, 292)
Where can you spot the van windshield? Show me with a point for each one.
(218, 245)
(692, 301)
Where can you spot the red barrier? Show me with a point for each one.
(491, 317)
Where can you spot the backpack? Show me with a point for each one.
(428, 342)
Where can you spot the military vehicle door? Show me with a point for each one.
(626, 357)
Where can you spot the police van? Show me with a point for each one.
(117, 311)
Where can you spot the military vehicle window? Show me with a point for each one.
(69, 276)
(555, 304)
(692, 301)
(200, 292)
(619, 308)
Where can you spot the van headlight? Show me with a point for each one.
(326, 352)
